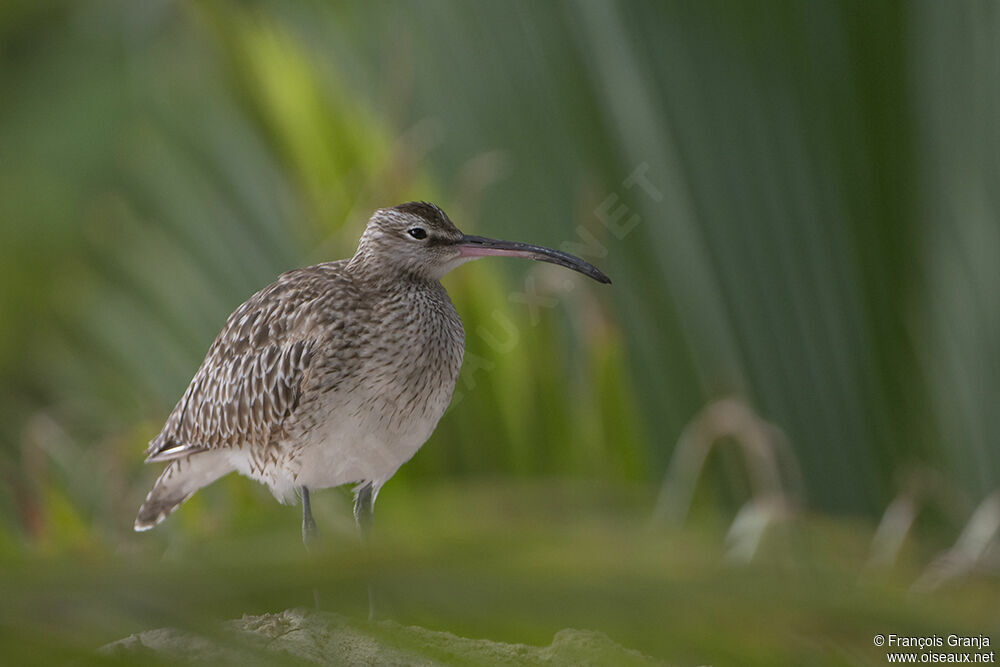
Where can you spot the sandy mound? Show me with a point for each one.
(302, 636)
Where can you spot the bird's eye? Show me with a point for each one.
(417, 233)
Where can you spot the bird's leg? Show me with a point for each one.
(364, 516)
(364, 511)
(309, 532)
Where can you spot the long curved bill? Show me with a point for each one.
(479, 246)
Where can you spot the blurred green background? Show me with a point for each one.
(797, 202)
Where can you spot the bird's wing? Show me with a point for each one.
(251, 379)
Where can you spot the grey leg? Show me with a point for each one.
(309, 532)
(364, 516)
(364, 511)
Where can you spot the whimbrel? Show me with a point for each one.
(335, 373)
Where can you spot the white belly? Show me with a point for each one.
(356, 445)
(360, 438)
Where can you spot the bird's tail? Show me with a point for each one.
(180, 479)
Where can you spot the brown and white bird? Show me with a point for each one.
(335, 373)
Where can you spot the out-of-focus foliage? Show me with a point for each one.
(512, 562)
(796, 201)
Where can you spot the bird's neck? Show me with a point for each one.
(382, 274)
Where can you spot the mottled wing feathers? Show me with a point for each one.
(251, 379)
(237, 400)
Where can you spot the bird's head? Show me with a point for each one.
(418, 238)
